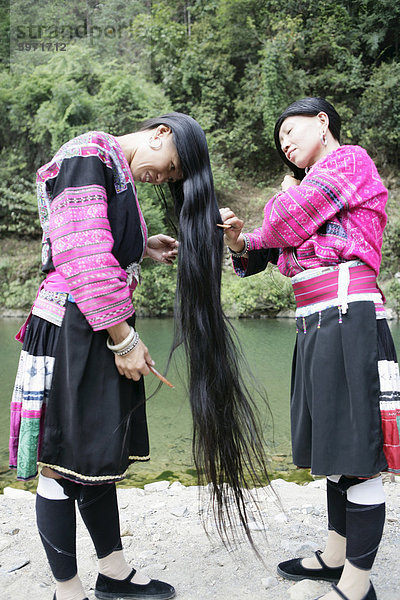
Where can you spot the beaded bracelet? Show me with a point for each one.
(122, 345)
(244, 251)
(131, 346)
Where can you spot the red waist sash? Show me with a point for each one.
(325, 286)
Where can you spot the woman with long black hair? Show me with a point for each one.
(324, 230)
(78, 408)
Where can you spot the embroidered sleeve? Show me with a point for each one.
(81, 242)
(293, 216)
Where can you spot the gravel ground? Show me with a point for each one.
(163, 536)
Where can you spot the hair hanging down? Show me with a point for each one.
(227, 446)
(307, 107)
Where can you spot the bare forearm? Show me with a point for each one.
(119, 332)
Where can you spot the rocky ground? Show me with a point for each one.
(163, 536)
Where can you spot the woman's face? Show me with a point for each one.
(158, 164)
(300, 139)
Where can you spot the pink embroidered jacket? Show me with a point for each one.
(336, 214)
(93, 229)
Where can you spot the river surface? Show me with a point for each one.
(268, 346)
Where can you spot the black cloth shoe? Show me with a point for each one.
(108, 588)
(293, 569)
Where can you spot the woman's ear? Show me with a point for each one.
(162, 131)
(324, 120)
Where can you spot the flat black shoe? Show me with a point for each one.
(293, 569)
(108, 588)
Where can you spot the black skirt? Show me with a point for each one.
(335, 402)
(95, 422)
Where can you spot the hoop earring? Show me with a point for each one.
(323, 139)
(155, 143)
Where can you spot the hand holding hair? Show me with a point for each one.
(224, 225)
(289, 181)
(162, 248)
(232, 229)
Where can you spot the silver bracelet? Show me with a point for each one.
(122, 345)
(244, 251)
(131, 346)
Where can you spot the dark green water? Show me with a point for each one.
(268, 346)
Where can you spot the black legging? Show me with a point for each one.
(56, 521)
(361, 525)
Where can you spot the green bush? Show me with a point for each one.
(392, 293)
(18, 205)
(155, 296)
(20, 273)
(265, 294)
(391, 250)
(379, 117)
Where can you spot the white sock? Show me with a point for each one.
(354, 582)
(115, 566)
(70, 590)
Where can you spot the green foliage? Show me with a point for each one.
(269, 84)
(104, 27)
(236, 64)
(391, 249)
(264, 294)
(155, 296)
(72, 94)
(379, 118)
(53, 103)
(19, 272)
(392, 293)
(19, 294)
(18, 205)
(4, 33)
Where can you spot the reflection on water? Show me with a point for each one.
(267, 344)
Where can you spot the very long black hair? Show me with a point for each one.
(227, 444)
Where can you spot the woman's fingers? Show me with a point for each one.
(226, 214)
(170, 256)
(134, 364)
(166, 238)
(289, 181)
(229, 218)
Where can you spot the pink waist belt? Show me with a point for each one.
(326, 286)
(54, 282)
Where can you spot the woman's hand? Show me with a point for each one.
(136, 363)
(232, 236)
(162, 248)
(289, 181)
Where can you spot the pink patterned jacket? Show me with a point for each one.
(336, 214)
(94, 233)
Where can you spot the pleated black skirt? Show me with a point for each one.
(335, 402)
(95, 419)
